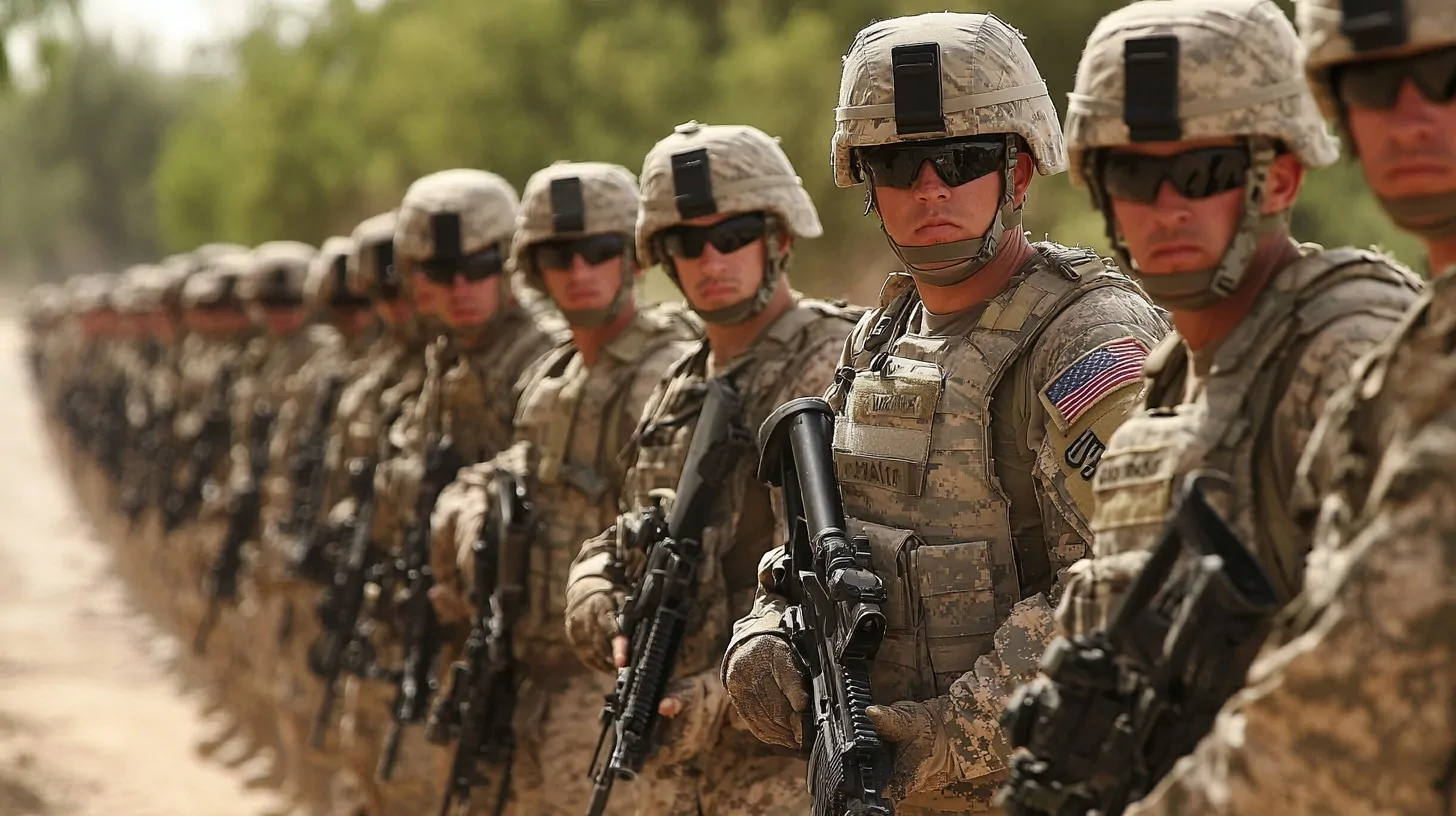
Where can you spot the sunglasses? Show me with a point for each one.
(726, 236)
(474, 267)
(593, 249)
(1198, 173)
(957, 163)
(1376, 84)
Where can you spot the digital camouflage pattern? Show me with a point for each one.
(988, 85)
(572, 424)
(609, 197)
(1350, 710)
(973, 494)
(1238, 75)
(718, 766)
(1244, 407)
(1428, 24)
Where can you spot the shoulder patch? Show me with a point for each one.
(1092, 377)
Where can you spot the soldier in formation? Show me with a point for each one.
(402, 498)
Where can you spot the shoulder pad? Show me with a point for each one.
(895, 285)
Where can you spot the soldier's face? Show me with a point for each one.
(582, 285)
(716, 280)
(430, 298)
(469, 303)
(1409, 149)
(930, 211)
(1174, 233)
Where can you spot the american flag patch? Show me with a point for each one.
(1093, 376)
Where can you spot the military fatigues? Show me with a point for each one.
(972, 485)
(1244, 407)
(731, 772)
(1352, 707)
(572, 424)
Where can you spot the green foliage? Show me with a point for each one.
(77, 163)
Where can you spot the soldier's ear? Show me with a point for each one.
(1281, 188)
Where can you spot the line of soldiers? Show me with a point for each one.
(393, 491)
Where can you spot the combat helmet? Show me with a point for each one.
(372, 271)
(576, 200)
(945, 76)
(276, 273)
(1337, 33)
(327, 284)
(706, 169)
(454, 219)
(1173, 70)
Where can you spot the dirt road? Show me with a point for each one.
(91, 723)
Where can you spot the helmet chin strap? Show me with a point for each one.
(957, 261)
(1429, 217)
(775, 264)
(1201, 288)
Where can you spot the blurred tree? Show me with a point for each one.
(78, 159)
(19, 14)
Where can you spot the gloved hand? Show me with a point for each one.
(591, 626)
(768, 689)
(693, 707)
(922, 753)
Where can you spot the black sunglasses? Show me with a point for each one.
(1376, 84)
(726, 236)
(593, 249)
(1198, 173)
(959, 162)
(474, 267)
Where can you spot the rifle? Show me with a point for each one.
(343, 645)
(482, 699)
(205, 452)
(244, 521)
(834, 620)
(421, 639)
(1126, 703)
(654, 616)
(306, 559)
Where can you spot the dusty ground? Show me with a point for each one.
(91, 722)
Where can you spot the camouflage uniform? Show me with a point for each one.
(708, 762)
(955, 455)
(1352, 707)
(572, 424)
(1245, 405)
(469, 395)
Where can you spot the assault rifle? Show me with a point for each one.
(834, 620)
(307, 559)
(420, 634)
(207, 449)
(656, 611)
(1123, 705)
(343, 646)
(482, 698)
(244, 523)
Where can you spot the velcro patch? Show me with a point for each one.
(1092, 377)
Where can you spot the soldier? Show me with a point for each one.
(721, 208)
(573, 244)
(451, 243)
(1352, 707)
(1197, 204)
(972, 405)
(346, 331)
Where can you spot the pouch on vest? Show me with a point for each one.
(883, 439)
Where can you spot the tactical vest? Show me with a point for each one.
(565, 408)
(912, 445)
(744, 510)
(1227, 427)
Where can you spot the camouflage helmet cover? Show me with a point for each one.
(1237, 67)
(988, 85)
(276, 269)
(1332, 36)
(373, 252)
(91, 291)
(746, 171)
(484, 203)
(143, 288)
(570, 200)
(216, 282)
(326, 283)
